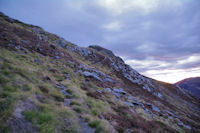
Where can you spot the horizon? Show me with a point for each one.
(160, 40)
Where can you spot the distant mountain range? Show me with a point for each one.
(191, 84)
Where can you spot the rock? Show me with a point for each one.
(62, 54)
(146, 87)
(147, 111)
(40, 98)
(25, 42)
(38, 45)
(67, 76)
(180, 123)
(17, 47)
(57, 57)
(91, 75)
(155, 108)
(134, 101)
(64, 92)
(67, 102)
(172, 114)
(61, 86)
(99, 91)
(108, 80)
(127, 103)
(158, 94)
(37, 61)
(118, 95)
(11, 45)
(85, 128)
(17, 122)
(102, 50)
(108, 89)
(120, 90)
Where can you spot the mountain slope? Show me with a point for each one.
(48, 84)
(190, 84)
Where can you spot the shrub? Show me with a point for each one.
(99, 129)
(94, 124)
(26, 87)
(9, 88)
(75, 103)
(78, 109)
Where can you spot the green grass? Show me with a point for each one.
(43, 120)
(77, 109)
(20, 77)
(96, 106)
(75, 103)
(99, 129)
(48, 119)
(94, 124)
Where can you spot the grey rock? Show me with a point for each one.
(108, 89)
(85, 128)
(118, 95)
(180, 123)
(127, 103)
(38, 45)
(155, 108)
(146, 87)
(108, 80)
(62, 54)
(66, 76)
(11, 45)
(147, 111)
(159, 95)
(17, 122)
(91, 75)
(37, 61)
(17, 47)
(61, 86)
(57, 57)
(67, 102)
(120, 90)
(172, 114)
(99, 91)
(25, 42)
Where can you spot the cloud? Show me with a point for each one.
(113, 26)
(151, 35)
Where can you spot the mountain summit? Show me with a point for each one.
(48, 85)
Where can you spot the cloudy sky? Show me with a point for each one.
(158, 38)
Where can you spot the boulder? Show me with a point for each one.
(108, 90)
(120, 90)
(127, 103)
(91, 75)
(154, 108)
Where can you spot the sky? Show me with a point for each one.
(158, 38)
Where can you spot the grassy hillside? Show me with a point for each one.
(50, 85)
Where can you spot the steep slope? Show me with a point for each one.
(48, 84)
(190, 84)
